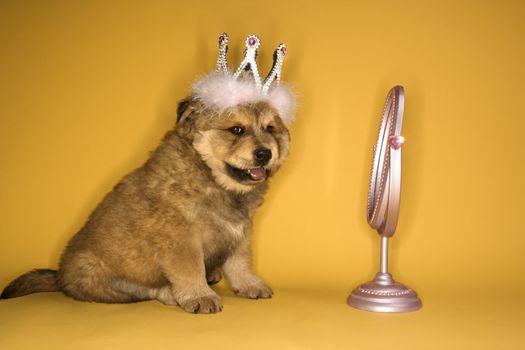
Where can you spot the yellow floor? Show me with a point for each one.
(293, 319)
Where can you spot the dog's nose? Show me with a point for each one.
(262, 155)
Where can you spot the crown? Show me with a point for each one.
(224, 89)
(249, 63)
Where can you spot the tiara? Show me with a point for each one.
(250, 53)
(225, 88)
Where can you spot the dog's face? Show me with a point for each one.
(242, 146)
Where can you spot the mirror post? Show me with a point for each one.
(384, 255)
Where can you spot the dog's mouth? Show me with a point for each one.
(257, 174)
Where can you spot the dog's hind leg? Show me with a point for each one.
(135, 292)
(164, 295)
(213, 276)
(83, 276)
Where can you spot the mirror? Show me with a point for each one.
(383, 294)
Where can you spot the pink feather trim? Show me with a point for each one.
(219, 91)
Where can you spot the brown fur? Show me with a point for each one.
(172, 225)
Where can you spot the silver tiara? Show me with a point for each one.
(249, 63)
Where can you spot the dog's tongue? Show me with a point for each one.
(257, 173)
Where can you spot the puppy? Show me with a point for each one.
(168, 229)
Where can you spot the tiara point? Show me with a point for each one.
(222, 62)
(252, 42)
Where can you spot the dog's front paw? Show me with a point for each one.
(255, 291)
(207, 304)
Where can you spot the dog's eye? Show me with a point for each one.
(269, 129)
(236, 130)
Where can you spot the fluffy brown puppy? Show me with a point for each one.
(167, 229)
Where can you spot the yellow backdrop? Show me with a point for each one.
(87, 89)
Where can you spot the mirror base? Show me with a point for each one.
(383, 294)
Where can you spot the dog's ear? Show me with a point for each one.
(184, 110)
(187, 112)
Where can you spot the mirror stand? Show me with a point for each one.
(383, 294)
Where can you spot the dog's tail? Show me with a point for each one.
(41, 280)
